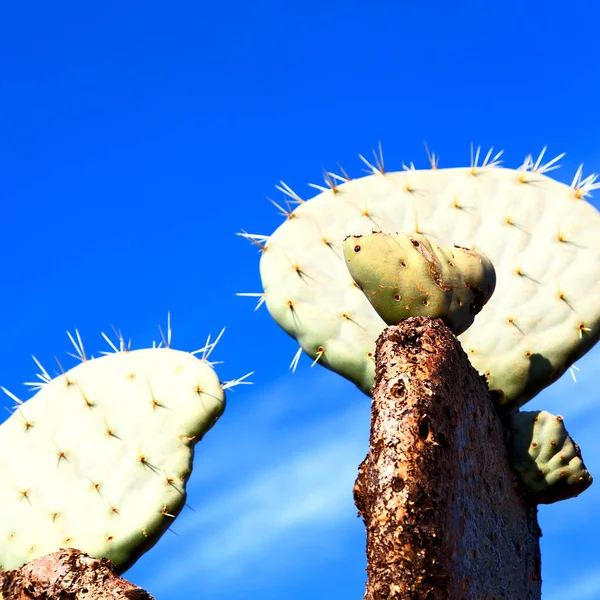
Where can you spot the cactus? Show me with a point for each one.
(98, 459)
(548, 462)
(407, 275)
(541, 236)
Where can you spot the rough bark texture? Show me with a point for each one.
(444, 514)
(67, 575)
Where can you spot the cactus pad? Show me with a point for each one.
(546, 459)
(406, 276)
(99, 457)
(542, 237)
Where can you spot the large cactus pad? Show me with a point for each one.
(542, 237)
(99, 458)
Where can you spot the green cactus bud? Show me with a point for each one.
(547, 460)
(408, 275)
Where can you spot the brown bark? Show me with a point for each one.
(67, 575)
(445, 517)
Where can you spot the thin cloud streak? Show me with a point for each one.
(584, 587)
(284, 504)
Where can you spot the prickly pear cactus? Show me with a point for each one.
(407, 275)
(99, 457)
(546, 459)
(542, 237)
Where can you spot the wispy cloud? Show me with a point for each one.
(585, 586)
(283, 503)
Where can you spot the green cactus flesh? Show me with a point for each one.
(99, 457)
(407, 275)
(548, 462)
(542, 237)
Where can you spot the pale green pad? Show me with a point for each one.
(99, 458)
(542, 237)
(546, 459)
(406, 276)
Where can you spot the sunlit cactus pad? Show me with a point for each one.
(406, 276)
(542, 237)
(545, 457)
(99, 458)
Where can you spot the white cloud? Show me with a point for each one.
(278, 505)
(584, 587)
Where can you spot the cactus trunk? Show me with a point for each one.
(444, 513)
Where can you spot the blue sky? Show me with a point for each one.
(137, 138)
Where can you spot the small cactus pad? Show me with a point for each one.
(407, 276)
(546, 459)
(99, 457)
(542, 237)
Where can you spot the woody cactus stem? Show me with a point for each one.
(444, 514)
(68, 573)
